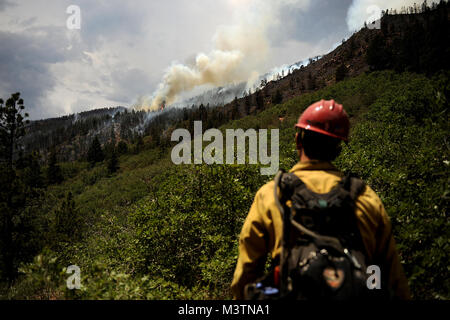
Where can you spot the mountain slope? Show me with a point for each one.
(405, 42)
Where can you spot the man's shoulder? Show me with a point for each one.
(267, 190)
(370, 195)
(371, 206)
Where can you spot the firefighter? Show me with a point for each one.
(320, 131)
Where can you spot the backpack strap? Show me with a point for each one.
(289, 183)
(353, 185)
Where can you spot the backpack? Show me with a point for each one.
(323, 255)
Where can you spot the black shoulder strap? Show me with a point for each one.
(288, 184)
(354, 185)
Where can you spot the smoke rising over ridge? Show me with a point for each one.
(239, 53)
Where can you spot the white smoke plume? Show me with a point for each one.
(361, 11)
(239, 53)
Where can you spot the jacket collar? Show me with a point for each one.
(314, 165)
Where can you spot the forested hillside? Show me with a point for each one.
(140, 227)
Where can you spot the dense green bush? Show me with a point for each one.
(400, 149)
(187, 228)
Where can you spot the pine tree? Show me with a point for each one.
(277, 98)
(235, 109)
(32, 172)
(341, 72)
(292, 83)
(14, 240)
(139, 144)
(122, 147)
(259, 100)
(95, 153)
(311, 83)
(378, 56)
(54, 175)
(113, 136)
(11, 127)
(68, 224)
(247, 103)
(113, 162)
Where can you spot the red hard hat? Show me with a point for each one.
(326, 117)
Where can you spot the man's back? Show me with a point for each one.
(262, 230)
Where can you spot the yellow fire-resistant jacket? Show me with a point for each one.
(262, 230)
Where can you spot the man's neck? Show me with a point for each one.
(303, 156)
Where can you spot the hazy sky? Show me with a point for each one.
(124, 49)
